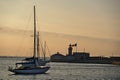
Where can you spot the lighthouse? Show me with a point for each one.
(70, 50)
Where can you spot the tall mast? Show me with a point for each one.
(34, 33)
(38, 45)
(44, 51)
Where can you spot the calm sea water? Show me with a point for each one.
(64, 71)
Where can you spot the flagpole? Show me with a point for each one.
(76, 47)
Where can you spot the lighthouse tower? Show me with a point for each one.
(70, 50)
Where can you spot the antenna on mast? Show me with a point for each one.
(34, 2)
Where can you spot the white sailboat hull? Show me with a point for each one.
(31, 71)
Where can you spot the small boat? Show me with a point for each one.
(29, 69)
(37, 70)
(116, 63)
(33, 66)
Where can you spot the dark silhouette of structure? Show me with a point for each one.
(70, 50)
(81, 57)
(71, 56)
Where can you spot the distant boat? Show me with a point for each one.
(33, 66)
(116, 63)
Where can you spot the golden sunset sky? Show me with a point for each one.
(93, 24)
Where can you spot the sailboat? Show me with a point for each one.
(31, 67)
